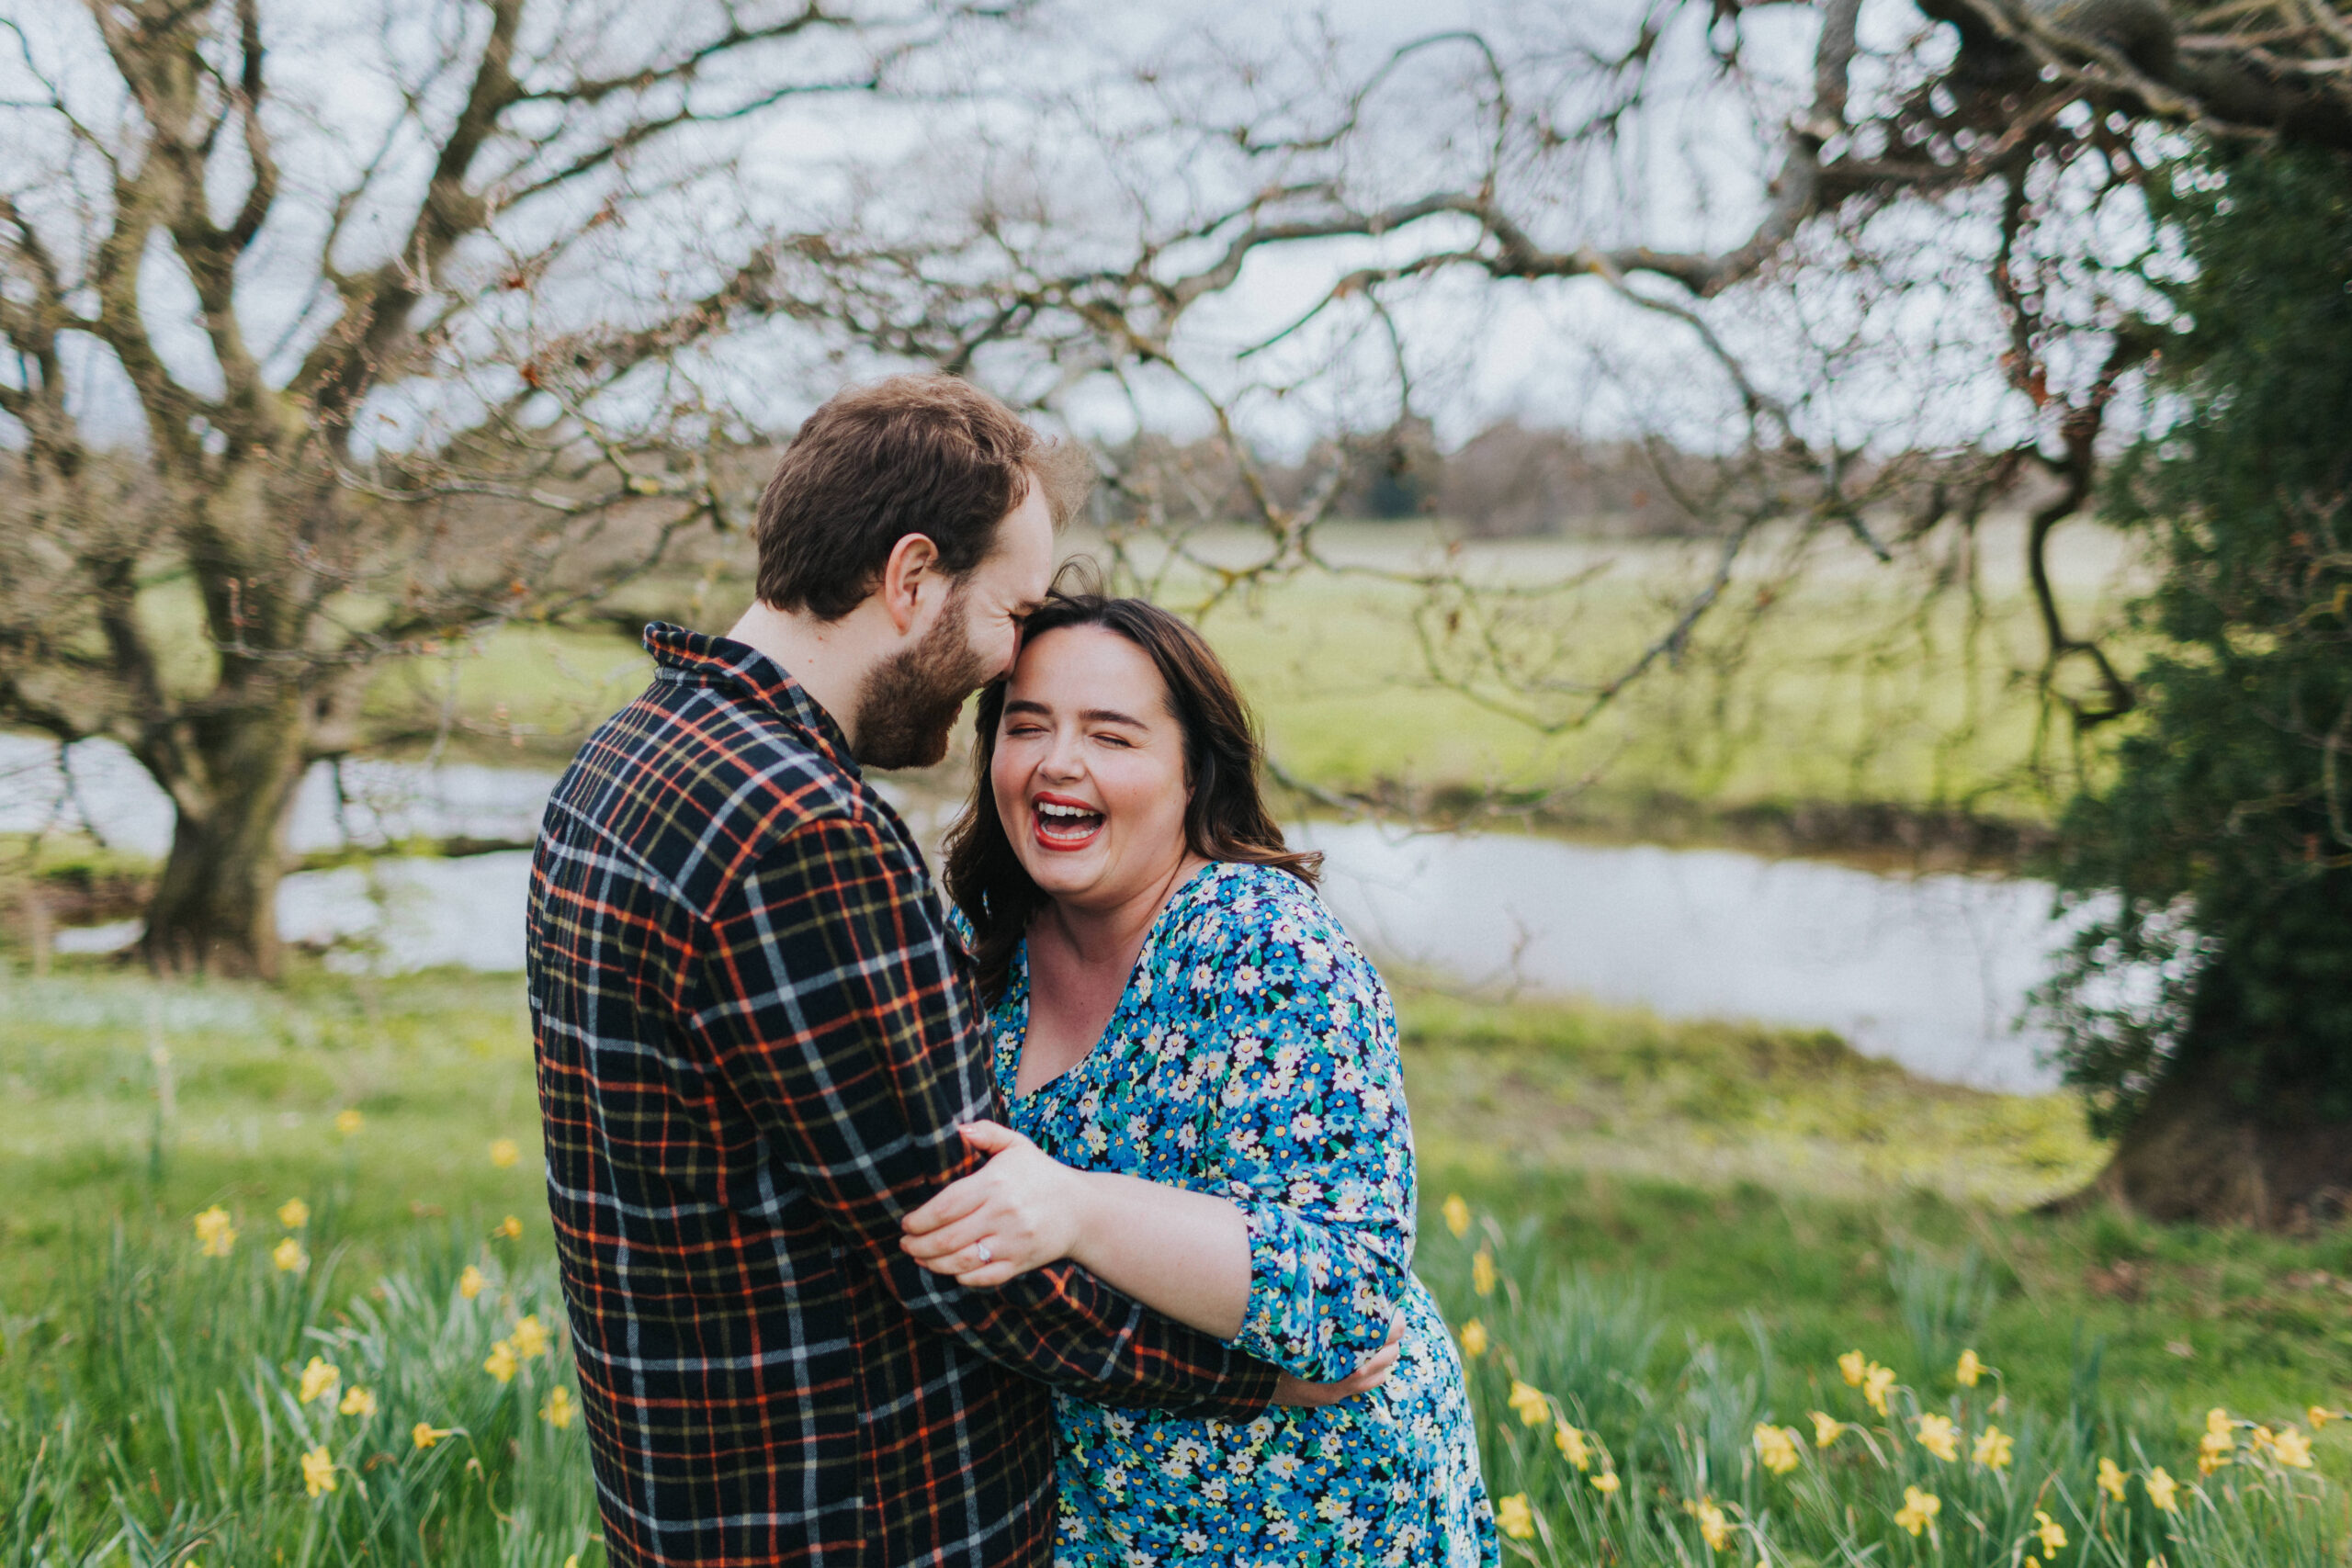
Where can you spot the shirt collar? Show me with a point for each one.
(711, 660)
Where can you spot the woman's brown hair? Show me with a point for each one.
(1225, 817)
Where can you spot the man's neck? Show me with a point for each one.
(828, 659)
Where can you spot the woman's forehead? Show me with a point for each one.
(1081, 667)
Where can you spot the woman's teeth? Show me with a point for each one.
(1054, 822)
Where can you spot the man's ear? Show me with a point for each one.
(912, 570)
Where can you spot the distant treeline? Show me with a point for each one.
(1508, 481)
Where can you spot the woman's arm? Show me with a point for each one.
(1184, 1254)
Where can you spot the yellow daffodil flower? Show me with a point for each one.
(1572, 1445)
(1776, 1448)
(1876, 1381)
(1457, 1215)
(358, 1401)
(425, 1436)
(530, 1338)
(1851, 1365)
(1826, 1428)
(1474, 1339)
(502, 1362)
(510, 1228)
(294, 1213)
(1514, 1518)
(349, 1122)
(1970, 1371)
(1995, 1449)
(560, 1409)
(2291, 1448)
(214, 1234)
(2052, 1533)
(2213, 1451)
(1919, 1509)
(2163, 1491)
(2112, 1479)
(1714, 1527)
(469, 1282)
(2319, 1416)
(1937, 1436)
(1482, 1272)
(319, 1379)
(1605, 1484)
(505, 1153)
(2217, 1422)
(289, 1257)
(318, 1472)
(1528, 1403)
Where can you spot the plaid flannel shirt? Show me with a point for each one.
(755, 1040)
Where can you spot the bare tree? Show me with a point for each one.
(401, 311)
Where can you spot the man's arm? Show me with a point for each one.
(833, 1002)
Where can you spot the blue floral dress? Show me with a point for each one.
(1254, 1055)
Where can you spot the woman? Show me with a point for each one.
(1203, 1090)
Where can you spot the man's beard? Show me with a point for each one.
(907, 709)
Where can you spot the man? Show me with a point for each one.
(755, 1044)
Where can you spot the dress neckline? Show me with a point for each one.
(1011, 1041)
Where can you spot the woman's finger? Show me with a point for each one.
(990, 1137)
(949, 1239)
(950, 1203)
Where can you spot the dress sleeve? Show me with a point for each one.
(833, 1004)
(1310, 1136)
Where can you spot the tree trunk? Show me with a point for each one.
(2202, 1151)
(214, 907)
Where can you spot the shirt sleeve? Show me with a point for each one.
(1310, 1133)
(835, 1004)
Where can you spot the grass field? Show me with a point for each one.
(1694, 1222)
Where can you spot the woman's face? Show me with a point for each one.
(1089, 774)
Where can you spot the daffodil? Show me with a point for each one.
(1970, 1371)
(1473, 1338)
(1514, 1518)
(1852, 1366)
(510, 1228)
(214, 1234)
(1457, 1215)
(1937, 1436)
(2319, 1416)
(289, 1257)
(349, 1122)
(1826, 1428)
(358, 1401)
(530, 1338)
(469, 1282)
(2163, 1491)
(1995, 1449)
(318, 1472)
(1572, 1445)
(1876, 1381)
(502, 1362)
(319, 1379)
(1482, 1272)
(1919, 1509)
(1714, 1527)
(1776, 1448)
(1527, 1402)
(505, 1153)
(1605, 1484)
(2112, 1479)
(294, 1213)
(425, 1435)
(560, 1409)
(2051, 1534)
(2291, 1448)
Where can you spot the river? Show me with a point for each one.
(1930, 971)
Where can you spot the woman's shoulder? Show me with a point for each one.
(1235, 909)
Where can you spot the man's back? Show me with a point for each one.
(754, 1043)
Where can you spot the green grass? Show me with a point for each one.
(1694, 1220)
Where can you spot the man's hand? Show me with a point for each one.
(1021, 1211)
(1297, 1394)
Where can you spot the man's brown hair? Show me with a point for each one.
(929, 454)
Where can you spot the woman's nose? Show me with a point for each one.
(1062, 760)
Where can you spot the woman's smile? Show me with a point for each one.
(1063, 822)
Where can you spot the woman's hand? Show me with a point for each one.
(1021, 1211)
(1296, 1395)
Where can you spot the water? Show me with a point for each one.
(1929, 971)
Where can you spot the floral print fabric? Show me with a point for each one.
(1254, 1055)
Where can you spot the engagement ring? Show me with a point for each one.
(982, 1249)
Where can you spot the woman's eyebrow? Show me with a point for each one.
(1112, 715)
